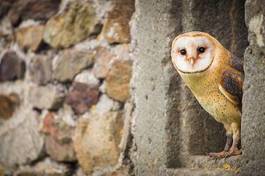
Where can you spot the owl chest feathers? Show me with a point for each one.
(205, 87)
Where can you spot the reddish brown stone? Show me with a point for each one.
(8, 104)
(58, 151)
(58, 140)
(81, 97)
(33, 9)
(118, 79)
(60, 145)
(49, 124)
(11, 67)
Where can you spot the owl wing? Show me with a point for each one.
(232, 81)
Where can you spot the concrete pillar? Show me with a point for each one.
(155, 85)
(253, 120)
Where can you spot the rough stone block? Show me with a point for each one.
(46, 97)
(88, 78)
(81, 97)
(58, 139)
(8, 105)
(71, 62)
(11, 67)
(32, 9)
(106, 104)
(30, 37)
(71, 27)
(103, 61)
(118, 79)
(40, 69)
(97, 139)
(116, 27)
(21, 142)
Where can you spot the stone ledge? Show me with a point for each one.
(205, 166)
(231, 163)
(193, 172)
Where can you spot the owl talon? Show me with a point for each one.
(234, 151)
(225, 154)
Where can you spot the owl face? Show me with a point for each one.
(192, 53)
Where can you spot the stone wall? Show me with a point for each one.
(87, 88)
(64, 86)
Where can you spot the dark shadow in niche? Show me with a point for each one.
(196, 132)
(204, 133)
(173, 149)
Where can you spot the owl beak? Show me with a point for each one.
(191, 60)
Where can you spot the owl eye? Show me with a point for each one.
(182, 52)
(201, 49)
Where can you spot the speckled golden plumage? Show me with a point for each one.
(218, 88)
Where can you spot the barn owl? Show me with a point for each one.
(215, 77)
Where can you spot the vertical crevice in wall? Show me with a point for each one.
(174, 138)
(239, 40)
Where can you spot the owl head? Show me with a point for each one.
(193, 52)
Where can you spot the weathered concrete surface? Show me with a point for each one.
(253, 128)
(232, 164)
(154, 83)
(204, 166)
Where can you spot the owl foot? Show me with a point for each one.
(222, 154)
(234, 151)
(225, 154)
